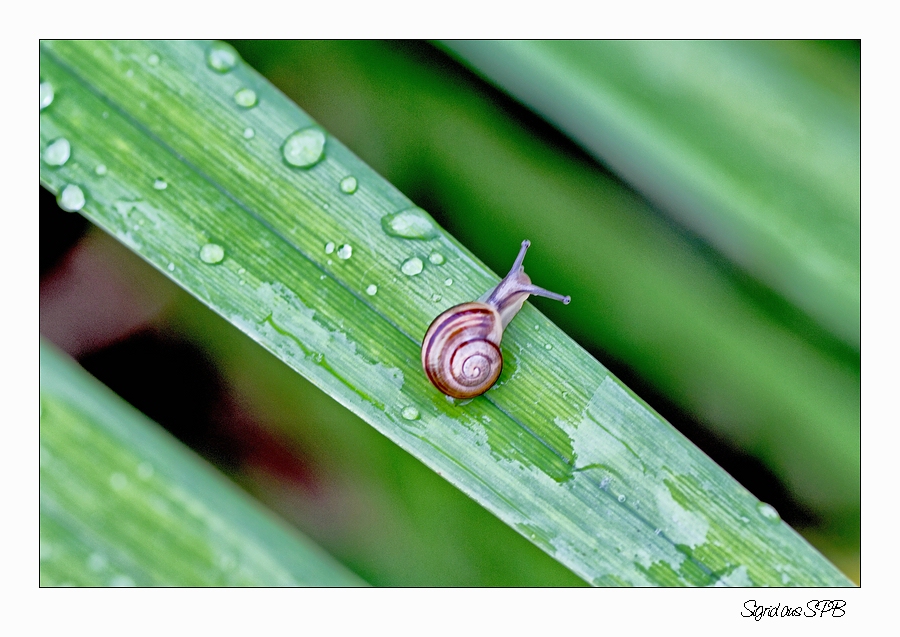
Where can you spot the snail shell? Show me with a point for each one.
(461, 349)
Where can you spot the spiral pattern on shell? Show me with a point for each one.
(461, 350)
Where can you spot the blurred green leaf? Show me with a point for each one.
(197, 182)
(751, 149)
(124, 504)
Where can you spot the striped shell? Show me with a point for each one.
(461, 350)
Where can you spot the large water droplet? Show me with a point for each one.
(410, 413)
(249, 133)
(71, 199)
(409, 224)
(349, 185)
(101, 169)
(304, 148)
(46, 94)
(548, 346)
(221, 57)
(436, 258)
(57, 153)
(345, 252)
(372, 290)
(153, 59)
(329, 247)
(412, 266)
(212, 253)
(160, 184)
(245, 97)
(768, 513)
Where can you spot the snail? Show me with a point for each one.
(461, 349)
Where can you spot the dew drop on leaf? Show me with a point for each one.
(349, 185)
(71, 198)
(212, 253)
(221, 57)
(304, 148)
(46, 94)
(409, 224)
(58, 152)
(412, 266)
(245, 98)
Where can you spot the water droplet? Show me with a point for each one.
(57, 153)
(436, 258)
(329, 247)
(548, 347)
(249, 133)
(104, 115)
(768, 513)
(412, 266)
(242, 270)
(212, 253)
(71, 199)
(129, 73)
(345, 252)
(145, 471)
(245, 97)
(221, 57)
(118, 481)
(448, 282)
(96, 562)
(409, 224)
(304, 148)
(329, 262)
(372, 290)
(153, 59)
(160, 184)
(436, 298)
(537, 328)
(621, 498)
(101, 169)
(657, 531)
(121, 581)
(46, 94)
(171, 267)
(410, 413)
(349, 185)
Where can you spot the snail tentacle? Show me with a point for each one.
(461, 349)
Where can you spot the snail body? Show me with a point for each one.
(461, 349)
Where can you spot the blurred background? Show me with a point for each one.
(698, 201)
